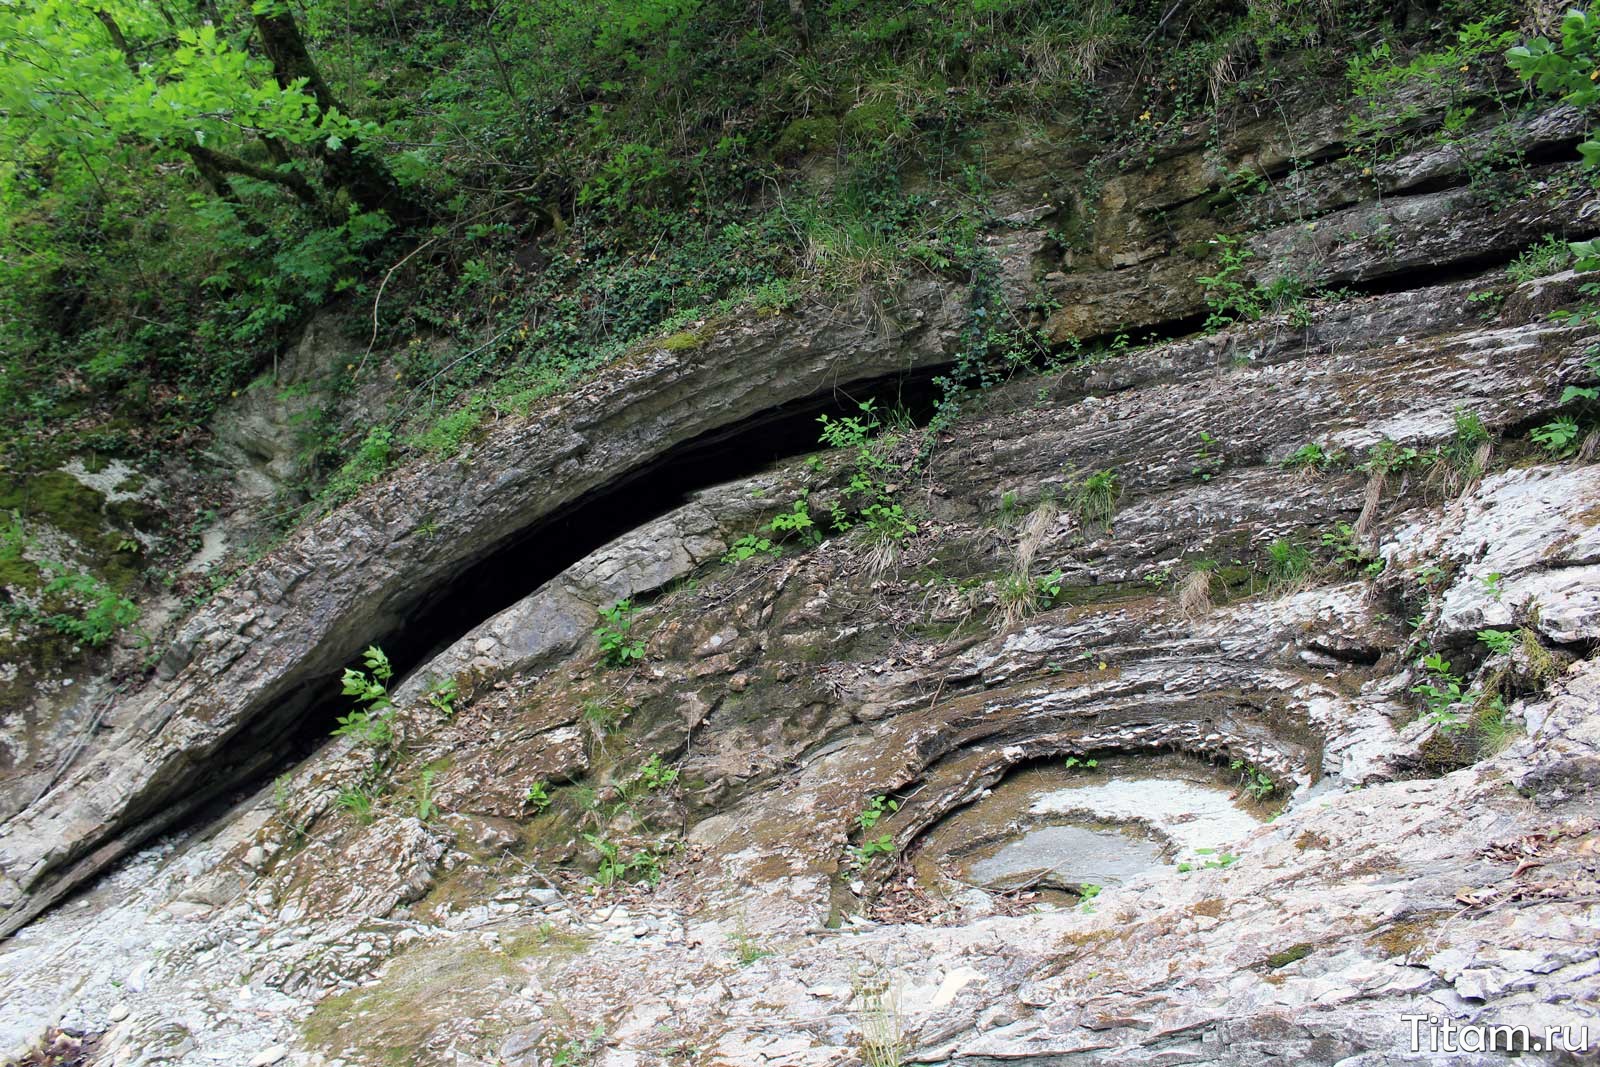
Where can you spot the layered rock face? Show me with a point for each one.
(1128, 569)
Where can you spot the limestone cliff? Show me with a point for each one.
(1171, 593)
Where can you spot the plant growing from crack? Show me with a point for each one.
(603, 716)
(1559, 437)
(882, 1034)
(749, 546)
(1464, 457)
(357, 801)
(1212, 861)
(368, 722)
(1287, 563)
(869, 488)
(1444, 692)
(1563, 437)
(797, 521)
(281, 796)
(1021, 596)
(1094, 499)
(746, 948)
(1348, 551)
(423, 795)
(1500, 642)
(1312, 458)
(1208, 457)
(642, 866)
(1256, 783)
(877, 808)
(861, 856)
(655, 776)
(574, 1051)
(614, 634)
(442, 698)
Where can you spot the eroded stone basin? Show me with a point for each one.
(1059, 827)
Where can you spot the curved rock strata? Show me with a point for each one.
(463, 896)
(240, 671)
(1400, 877)
(242, 662)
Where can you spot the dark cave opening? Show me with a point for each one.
(526, 561)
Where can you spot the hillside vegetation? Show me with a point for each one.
(500, 200)
(546, 183)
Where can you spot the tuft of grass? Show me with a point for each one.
(1288, 564)
(1094, 499)
(746, 948)
(1035, 529)
(1550, 256)
(1022, 595)
(1491, 727)
(603, 717)
(1196, 589)
(882, 1035)
(1461, 461)
(358, 802)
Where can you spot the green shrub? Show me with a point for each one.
(442, 697)
(1255, 781)
(1348, 551)
(655, 776)
(877, 808)
(1549, 256)
(1559, 437)
(618, 647)
(371, 460)
(750, 546)
(450, 430)
(106, 613)
(1313, 457)
(1444, 692)
(368, 722)
(1232, 297)
(1499, 642)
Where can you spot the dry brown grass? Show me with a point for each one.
(1377, 482)
(1194, 593)
(1035, 529)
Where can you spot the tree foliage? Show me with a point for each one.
(183, 181)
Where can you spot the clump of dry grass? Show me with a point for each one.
(1019, 593)
(1035, 528)
(1195, 592)
(883, 1042)
(1377, 482)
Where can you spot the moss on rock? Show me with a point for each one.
(814, 133)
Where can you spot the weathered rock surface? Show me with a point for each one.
(788, 690)
(239, 671)
(484, 890)
(309, 605)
